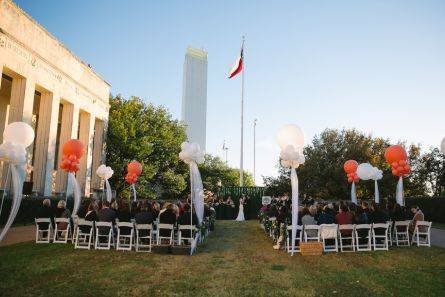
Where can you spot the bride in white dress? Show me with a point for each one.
(240, 216)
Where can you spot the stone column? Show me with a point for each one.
(86, 126)
(98, 149)
(22, 99)
(46, 143)
(68, 130)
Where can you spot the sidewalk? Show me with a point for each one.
(19, 234)
(438, 237)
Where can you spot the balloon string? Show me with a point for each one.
(4, 188)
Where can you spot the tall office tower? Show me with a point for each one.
(194, 95)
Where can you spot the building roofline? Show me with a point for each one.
(58, 41)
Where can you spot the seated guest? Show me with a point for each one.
(167, 216)
(145, 215)
(91, 214)
(123, 213)
(62, 211)
(377, 215)
(344, 217)
(326, 216)
(184, 219)
(418, 216)
(360, 216)
(106, 214)
(308, 219)
(155, 209)
(45, 212)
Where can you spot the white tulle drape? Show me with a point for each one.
(376, 192)
(197, 191)
(133, 189)
(399, 192)
(17, 184)
(294, 185)
(76, 192)
(353, 194)
(108, 190)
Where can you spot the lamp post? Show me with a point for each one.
(225, 149)
(254, 151)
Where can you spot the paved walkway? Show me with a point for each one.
(19, 234)
(27, 233)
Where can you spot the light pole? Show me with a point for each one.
(254, 151)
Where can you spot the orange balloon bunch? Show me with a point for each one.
(134, 169)
(396, 156)
(350, 168)
(72, 151)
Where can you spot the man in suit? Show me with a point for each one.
(106, 214)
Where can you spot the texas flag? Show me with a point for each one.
(238, 67)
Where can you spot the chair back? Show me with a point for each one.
(362, 226)
(42, 220)
(83, 222)
(104, 224)
(401, 223)
(144, 226)
(186, 227)
(380, 225)
(346, 227)
(125, 225)
(165, 226)
(328, 231)
(299, 227)
(423, 226)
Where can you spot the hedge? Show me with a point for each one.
(432, 207)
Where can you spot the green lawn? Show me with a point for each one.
(236, 260)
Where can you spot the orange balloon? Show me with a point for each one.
(134, 167)
(395, 153)
(350, 166)
(73, 147)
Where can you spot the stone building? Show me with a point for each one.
(61, 97)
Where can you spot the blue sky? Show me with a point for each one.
(378, 66)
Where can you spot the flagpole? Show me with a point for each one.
(241, 167)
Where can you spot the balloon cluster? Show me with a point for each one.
(72, 151)
(16, 138)
(350, 168)
(191, 152)
(104, 172)
(396, 156)
(292, 157)
(366, 171)
(134, 169)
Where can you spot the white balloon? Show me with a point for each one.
(291, 157)
(12, 152)
(365, 171)
(442, 145)
(20, 133)
(290, 135)
(191, 152)
(104, 172)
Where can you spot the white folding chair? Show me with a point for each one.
(422, 234)
(75, 221)
(43, 235)
(298, 239)
(390, 232)
(383, 245)
(343, 231)
(84, 234)
(401, 232)
(166, 227)
(62, 230)
(124, 241)
(272, 222)
(363, 237)
(329, 232)
(311, 233)
(104, 230)
(143, 234)
(191, 231)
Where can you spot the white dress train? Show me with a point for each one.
(240, 216)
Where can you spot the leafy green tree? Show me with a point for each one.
(322, 175)
(214, 171)
(148, 134)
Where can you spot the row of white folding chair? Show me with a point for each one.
(60, 235)
(323, 232)
(421, 234)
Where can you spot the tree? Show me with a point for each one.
(214, 171)
(148, 134)
(322, 175)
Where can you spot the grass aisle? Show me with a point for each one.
(236, 260)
